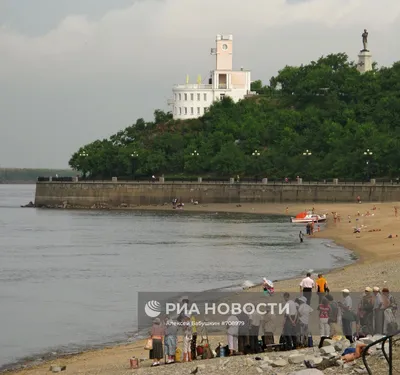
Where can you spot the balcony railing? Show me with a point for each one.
(193, 86)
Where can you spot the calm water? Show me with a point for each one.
(69, 278)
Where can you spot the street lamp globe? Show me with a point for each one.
(134, 154)
(195, 153)
(307, 153)
(368, 152)
(256, 153)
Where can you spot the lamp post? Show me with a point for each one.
(134, 156)
(194, 155)
(368, 154)
(84, 155)
(256, 154)
(307, 154)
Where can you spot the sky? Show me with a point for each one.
(73, 71)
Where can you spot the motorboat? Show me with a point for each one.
(308, 217)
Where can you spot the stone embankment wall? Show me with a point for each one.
(117, 194)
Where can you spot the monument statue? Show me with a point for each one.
(365, 40)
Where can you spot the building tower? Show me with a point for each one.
(193, 100)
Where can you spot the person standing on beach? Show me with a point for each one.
(378, 311)
(187, 339)
(322, 286)
(333, 320)
(244, 328)
(389, 304)
(304, 312)
(324, 327)
(255, 321)
(157, 333)
(170, 340)
(347, 314)
(301, 235)
(232, 334)
(306, 286)
(365, 312)
(193, 344)
(290, 323)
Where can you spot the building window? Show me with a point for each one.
(174, 110)
(198, 97)
(191, 97)
(205, 97)
(185, 96)
(180, 97)
(192, 111)
(180, 110)
(205, 109)
(185, 110)
(221, 96)
(198, 110)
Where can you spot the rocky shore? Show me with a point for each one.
(325, 360)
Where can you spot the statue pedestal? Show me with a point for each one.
(364, 61)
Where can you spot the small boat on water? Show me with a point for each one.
(308, 217)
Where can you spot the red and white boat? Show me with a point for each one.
(308, 217)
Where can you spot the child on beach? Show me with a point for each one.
(324, 309)
(187, 338)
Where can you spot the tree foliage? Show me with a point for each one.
(326, 107)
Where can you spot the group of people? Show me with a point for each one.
(375, 313)
(166, 332)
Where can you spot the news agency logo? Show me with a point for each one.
(152, 309)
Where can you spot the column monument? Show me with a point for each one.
(365, 56)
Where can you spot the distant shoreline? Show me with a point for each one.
(33, 182)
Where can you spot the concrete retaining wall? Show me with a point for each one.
(87, 194)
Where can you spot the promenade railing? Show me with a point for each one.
(387, 344)
(213, 180)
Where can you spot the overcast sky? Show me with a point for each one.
(72, 71)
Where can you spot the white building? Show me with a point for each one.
(193, 100)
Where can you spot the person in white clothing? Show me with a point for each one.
(232, 333)
(290, 322)
(267, 328)
(347, 316)
(304, 312)
(306, 286)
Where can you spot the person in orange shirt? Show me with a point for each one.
(322, 286)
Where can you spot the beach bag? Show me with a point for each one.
(178, 355)
(207, 353)
(149, 344)
(200, 350)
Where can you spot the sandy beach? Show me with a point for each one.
(378, 264)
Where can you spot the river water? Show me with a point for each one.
(69, 279)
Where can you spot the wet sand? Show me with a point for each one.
(378, 264)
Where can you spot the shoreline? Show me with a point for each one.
(333, 232)
(48, 356)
